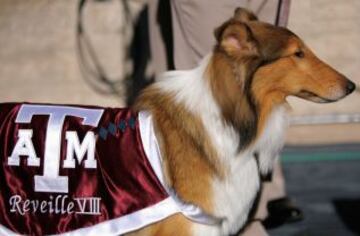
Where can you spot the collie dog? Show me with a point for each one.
(220, 125)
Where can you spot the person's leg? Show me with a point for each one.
(278, 208)
(194, 23)
(275, 188)
(255, 228)
(272, 189)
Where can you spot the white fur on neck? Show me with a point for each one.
(234, 195)
(272, 139)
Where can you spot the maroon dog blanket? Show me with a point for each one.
(81, 171)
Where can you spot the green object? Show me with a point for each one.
(296, 157)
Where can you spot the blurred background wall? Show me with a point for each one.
(39, 55)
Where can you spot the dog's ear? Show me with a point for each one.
(240, 15)
(236, 39)
(244, 15)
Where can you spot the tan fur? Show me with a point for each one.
(227, 88)
(292, 76)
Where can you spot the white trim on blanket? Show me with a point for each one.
(121, 225)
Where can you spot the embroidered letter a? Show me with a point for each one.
(24, 147)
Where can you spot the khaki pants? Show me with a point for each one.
(193, 23)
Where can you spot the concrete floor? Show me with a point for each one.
(331, 208)
(328, 191)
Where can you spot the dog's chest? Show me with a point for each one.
(234, 196)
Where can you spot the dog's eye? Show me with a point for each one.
(299, 54)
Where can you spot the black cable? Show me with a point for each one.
(278, 13)
(282, 15)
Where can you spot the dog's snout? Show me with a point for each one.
(350, 87)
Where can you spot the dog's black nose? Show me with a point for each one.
(350, 87)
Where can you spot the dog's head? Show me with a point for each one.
(267, 63)
(285, 65)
